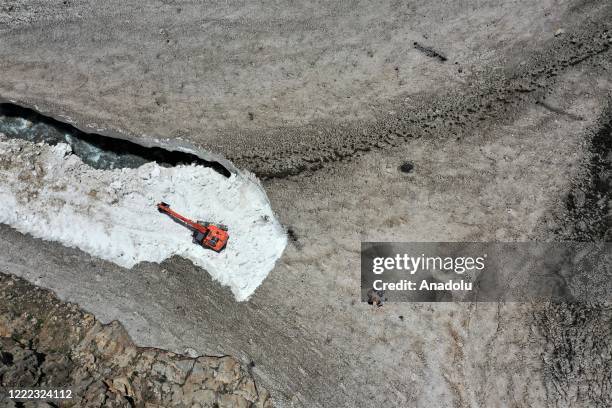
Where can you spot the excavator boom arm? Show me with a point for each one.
(174, 214)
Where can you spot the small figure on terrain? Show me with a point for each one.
(376, 297)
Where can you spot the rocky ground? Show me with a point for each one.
(49, 344)
(501, 110)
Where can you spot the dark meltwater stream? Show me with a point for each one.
(97, 151)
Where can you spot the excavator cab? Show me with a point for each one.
(215, 238)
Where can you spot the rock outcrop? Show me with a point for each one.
(49, 344)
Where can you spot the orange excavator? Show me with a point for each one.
(209, 235)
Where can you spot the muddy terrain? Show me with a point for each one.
(386, 121)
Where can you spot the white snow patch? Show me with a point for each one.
(51, 194)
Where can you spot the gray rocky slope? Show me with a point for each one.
(51, 345)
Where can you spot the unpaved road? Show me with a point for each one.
(503, 144)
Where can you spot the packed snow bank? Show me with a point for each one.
(50, 193)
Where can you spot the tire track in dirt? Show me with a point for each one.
(493, 96)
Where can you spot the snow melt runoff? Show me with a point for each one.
(50, 193)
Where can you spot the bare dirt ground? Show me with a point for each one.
(502, 108)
